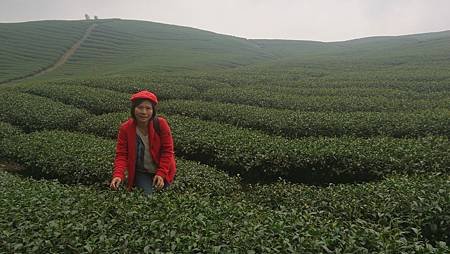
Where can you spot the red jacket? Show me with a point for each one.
(161, 151)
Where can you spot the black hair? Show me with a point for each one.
(137, 102)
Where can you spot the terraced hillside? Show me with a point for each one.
(427, 45)
(29, 47)
(390, 62)
(132, 47)
(126, 47)
(118, 46)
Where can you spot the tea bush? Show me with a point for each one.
(8, 137)
(76, 158)
(106, 125)
(419, 204)
(163, 89)
(42, 216)
(257, 156)
(31, 112)
(7, 130)
(95, 100)
(68, 157)
(270, 99)
(296, 124)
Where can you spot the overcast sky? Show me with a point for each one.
(320, 20)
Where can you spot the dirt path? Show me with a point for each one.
(61, 60)
(10, 166)
(68, 53)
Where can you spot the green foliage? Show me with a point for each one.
(261, 157)
(329, 76)
(270, 99)
(418, 204)
(46, 216)
(164, 86)
(8, 135)
(195, 178)
(68, 157)
(106, 125)
(97, 101)
(76, 158)
(295, 124)
(31, 112)
(7, 131)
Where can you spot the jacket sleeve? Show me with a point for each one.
(166, 150)
(121, 159)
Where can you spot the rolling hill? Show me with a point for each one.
(128, 47)
(119, 46)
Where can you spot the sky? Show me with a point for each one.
(318, 20)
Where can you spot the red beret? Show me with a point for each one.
(145, 95)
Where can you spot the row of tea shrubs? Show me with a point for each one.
(403, 212)
(289, 123)
(296, 124)
(252, 154)
(33, 113)
(45, 216)
(78, 158)
(206, 210)
(266, 98)
(270, 99)
(257, 156)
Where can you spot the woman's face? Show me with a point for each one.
(143, 112)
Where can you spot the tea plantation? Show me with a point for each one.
(281, 146)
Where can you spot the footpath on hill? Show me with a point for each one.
(63, 59)
(10, 166)
(68, 53)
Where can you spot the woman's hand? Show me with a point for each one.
(158, 182)
(115, 182)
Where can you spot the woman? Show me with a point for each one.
(144, 147)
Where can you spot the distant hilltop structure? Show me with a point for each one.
(86, 16)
